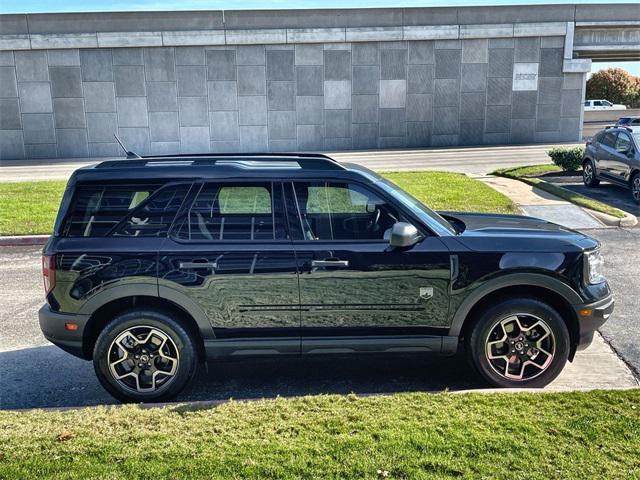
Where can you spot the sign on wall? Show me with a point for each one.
(525, 76)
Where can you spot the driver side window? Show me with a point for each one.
(343, 211)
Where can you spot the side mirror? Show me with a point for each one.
(403, 235)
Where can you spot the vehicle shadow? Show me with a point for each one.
(44, 377)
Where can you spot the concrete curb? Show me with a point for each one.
(627, 221)
(23, 240)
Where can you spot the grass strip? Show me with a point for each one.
(411, 435)
(527, 175)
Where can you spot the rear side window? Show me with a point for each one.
(608, 139)
(123, 210)
(232, 212)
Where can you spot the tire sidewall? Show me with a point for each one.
(633, 179)
(179, 335)
(476, 342)
(594, 181)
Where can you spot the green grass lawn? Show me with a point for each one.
(28, 208)
(529, 170)
(452, 191)
(412, 436)
(529, 175)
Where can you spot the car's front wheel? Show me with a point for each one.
(589, 174)
(635, 187)
(520, 342)
(144, 356)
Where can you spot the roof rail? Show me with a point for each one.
(312, 161)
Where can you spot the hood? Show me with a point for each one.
(479, 231)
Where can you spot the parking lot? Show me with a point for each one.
(608, 193)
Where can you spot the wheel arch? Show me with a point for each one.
(184, 310)
(549, 290)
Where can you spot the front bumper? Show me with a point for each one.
(52, 325)
(592, 316)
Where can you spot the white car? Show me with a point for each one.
(591, 105)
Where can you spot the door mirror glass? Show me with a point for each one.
(403, 235)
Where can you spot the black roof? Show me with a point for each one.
(217, 165)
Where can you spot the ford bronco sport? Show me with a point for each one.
(159, 263)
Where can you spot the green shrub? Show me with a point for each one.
(569, 159)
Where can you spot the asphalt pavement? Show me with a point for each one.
(34, 373)
(621, 248)
(613, 195)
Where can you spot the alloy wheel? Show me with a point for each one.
(520, 347)
(143, 359)
(635, 188)
(587, 174)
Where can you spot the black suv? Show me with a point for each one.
(159, 263)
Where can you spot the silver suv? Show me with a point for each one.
(614, 155)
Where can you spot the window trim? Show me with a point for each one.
(424, 230)
(185, 214)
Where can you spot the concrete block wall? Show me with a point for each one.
(331, 96)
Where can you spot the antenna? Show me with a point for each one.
(130, 154)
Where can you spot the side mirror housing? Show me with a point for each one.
(404, 235)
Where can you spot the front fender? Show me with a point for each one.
(511, 280)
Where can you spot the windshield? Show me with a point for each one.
(420, 210)
(636, 137)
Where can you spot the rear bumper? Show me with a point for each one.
(592, 316)
(53, 328)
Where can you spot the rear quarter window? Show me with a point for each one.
(123, 210)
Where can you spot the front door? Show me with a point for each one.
(356, 292)
(229, 252)
(620, 166)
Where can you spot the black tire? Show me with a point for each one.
(530, 311)
(177, 345)
(589, 175)
(635, 187)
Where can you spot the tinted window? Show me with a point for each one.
(623, 143)
(232, 212)
(343, 211)
(608, 139)
(97, 209)
(154, 216)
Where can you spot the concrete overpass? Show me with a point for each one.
(170, 82)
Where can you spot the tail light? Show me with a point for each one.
(49, 273)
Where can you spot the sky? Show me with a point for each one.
(38, 6)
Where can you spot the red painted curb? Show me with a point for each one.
(17, 241)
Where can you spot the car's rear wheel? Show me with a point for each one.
(589, 174)
(520, 342)
(635, 187)
(144, 356)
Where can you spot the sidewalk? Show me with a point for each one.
(540, 204)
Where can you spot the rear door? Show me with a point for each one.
(605, 152)
(230, 254)
(356, 292)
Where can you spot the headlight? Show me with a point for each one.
(593, 267)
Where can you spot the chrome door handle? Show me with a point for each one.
(211, 265)
(330, 263)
